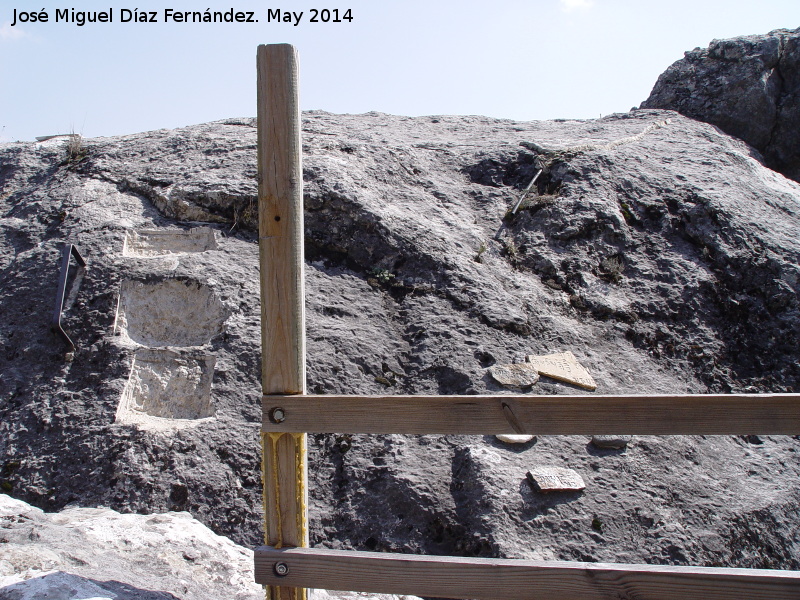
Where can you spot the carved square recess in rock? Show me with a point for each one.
(169, 312)
(161, 242)
(167, 389)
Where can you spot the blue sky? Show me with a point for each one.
(539, 59)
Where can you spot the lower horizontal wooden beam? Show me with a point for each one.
(727, 414)
(500, 579)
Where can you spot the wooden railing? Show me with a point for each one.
(696, 414)
(499, 579)
(287, 566)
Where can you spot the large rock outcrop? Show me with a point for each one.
(99, 553)
(656, 249)
(747, 86)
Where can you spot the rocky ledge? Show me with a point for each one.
(747, 86)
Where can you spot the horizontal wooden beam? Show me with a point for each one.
(502, 579)
(729, 414)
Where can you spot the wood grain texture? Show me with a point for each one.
(732, 414)
(280, 221)
(280, 225)
(501, 579)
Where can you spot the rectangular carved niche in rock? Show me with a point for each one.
(167, 390)
(161, 242)
(555, 479)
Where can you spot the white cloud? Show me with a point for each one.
(572, 5)
(9, 33)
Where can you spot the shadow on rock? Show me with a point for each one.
(66, 586)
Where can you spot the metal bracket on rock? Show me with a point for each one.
(525, 192)
(67, 251)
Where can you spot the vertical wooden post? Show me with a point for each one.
(280, 227)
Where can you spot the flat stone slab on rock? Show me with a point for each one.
(555, 479)
(516, 375)
(563, 366)
(514, 439)
(615, 442)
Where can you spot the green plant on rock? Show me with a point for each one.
(10, 467)
(386, 379)
(479, 254)
(627, 213)
(381, 276)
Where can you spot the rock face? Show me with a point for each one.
(656, 249)
(747, 86)
(99, 553)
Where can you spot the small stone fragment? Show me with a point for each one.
(190, 555)
(615, 442)
(514, 439)
(516, 375)
(563, 366)
(555, 479)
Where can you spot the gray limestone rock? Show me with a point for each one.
(747, 86)
(661, 254)
(519, 375)
(100, 553)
